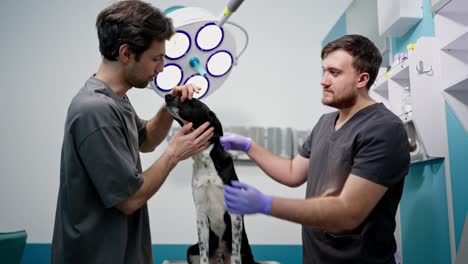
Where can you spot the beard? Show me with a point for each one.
(135, 78)
(136, 81)
(347, 100)
(140, 84)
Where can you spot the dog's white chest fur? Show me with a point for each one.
(208, 195)
(208, 192)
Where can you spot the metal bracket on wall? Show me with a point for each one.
(421, 69)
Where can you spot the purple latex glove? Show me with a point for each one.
(232, 141)
(243, 199)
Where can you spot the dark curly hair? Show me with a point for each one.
(131, 22)
(366, 56)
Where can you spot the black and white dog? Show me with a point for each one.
(221, 236)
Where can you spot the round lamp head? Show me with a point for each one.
(199, 53)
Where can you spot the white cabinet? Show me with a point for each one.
(438, 4)
(361, 18)
(388, 89)
(428, 103)
(451, 28)
(396, 17)
(425, 123)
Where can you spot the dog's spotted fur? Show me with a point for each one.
(221, 236)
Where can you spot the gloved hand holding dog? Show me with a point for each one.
(231, 141)
(243, 199)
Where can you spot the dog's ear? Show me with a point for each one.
(214, 122)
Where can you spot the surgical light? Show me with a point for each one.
(230, 8)
(201, 52)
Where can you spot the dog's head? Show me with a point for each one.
(192, 111)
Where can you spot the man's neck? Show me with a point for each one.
(112, 74)
(347, 113)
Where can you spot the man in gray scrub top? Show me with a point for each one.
(102, 215)
(354, 163)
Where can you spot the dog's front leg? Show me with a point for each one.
(236, 224)
(203, 237)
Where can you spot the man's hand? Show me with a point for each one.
(232, 141)
(185, 91)
(185, 144)
(243, 199)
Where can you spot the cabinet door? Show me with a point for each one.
(438, 4)
(398, 16)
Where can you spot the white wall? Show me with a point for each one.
(48, 50)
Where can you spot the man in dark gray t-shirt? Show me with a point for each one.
(354, 163)
(371, 145)
(102, 215)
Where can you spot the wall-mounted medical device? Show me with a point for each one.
(203, 50)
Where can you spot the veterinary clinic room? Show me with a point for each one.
(234, 131)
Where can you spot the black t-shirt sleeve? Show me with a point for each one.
(307, 146)
(109, 165)
(382, 154)
(305, 150)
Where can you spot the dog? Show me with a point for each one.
(221, 235)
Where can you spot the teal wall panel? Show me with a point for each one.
(163, 252)
(36, 253)
(425, 28)
(424, 218)
(284, 254)
(458, 153)
(338, 30)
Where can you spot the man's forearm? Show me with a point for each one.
(157, 129)
(156, 174)
(322, 212)
(278, 168)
